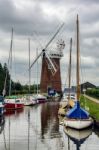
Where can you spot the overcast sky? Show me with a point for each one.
(39, 20)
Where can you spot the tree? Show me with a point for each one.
(6, 78)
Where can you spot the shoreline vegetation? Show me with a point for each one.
(94, 92)
(17, 87)
(91, 106)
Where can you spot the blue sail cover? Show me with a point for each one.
(51, 91)
(77, 112)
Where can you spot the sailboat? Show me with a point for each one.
(39, 97)
(66, 101)
(77, 117)
(29, 100)
(13, 102)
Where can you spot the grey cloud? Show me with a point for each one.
(69, 1)
(27, 22)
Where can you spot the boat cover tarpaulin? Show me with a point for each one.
(12, 97)
(77, 112)
(51, 91)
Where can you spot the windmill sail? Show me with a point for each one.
(44, 52)
(51, 64)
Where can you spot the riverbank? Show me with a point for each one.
(92, 106)
(92, 99)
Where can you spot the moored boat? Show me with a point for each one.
(34, 100)
(30, 100)
(78, 124)
(41, 99)
(77, 117)
(13, 103)
(65, 102)
(28, 103)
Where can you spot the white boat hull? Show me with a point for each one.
(40, 98)
(78, 134)
(28, 103)
(78, 123)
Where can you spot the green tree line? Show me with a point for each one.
(3, 71)
(93, 92)
(16, 87)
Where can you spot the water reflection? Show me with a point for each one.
(2, 123)
(96, 131)
(50, 133)
(13, 112)
(28, 129)
(49, 120)
(78, 136)
(37, 128)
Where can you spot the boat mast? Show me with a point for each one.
(69, 85)
(78, 64)
(29, 97)
(4, 89)
(37, 71)
(10, 61)
(29, 67)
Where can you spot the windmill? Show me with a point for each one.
(50, 73)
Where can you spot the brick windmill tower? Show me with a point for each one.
(50, 77)
(50, 73)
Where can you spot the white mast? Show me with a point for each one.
(10, 61)
(78, 63)
(37, 70)
(29, 67)
(69, 84)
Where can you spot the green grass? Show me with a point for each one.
(91, 107)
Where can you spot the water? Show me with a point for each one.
(37, 128)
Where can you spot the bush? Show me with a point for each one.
(93, 92)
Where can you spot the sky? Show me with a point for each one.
(39, 20)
